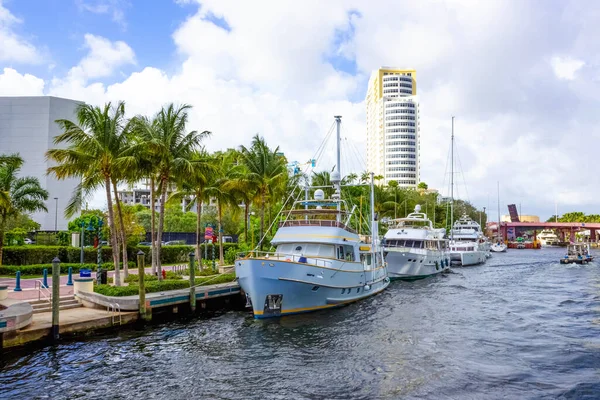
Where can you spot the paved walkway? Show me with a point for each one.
(30, 292)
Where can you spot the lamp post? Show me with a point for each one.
(55, 214)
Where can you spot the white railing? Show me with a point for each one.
(319, 262)
(116, 308)
(43, 291)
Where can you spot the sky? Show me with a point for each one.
(521, 78)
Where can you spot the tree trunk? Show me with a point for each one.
(122, 232)
(199, 234)
(262, 218)
(113, 232)
(152, 227)
(220, 216)
(1, 240)
(161, 225)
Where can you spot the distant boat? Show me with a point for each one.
(499, 246)
(548, 238)
(577, 253)
(413, 249)
(468, 245)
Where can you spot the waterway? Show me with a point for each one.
(520, 327)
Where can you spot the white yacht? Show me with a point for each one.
(320, 261)
(548, 238)
(498, 247)
(468, 245)
(413, 249)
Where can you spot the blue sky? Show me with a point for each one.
(521, 76)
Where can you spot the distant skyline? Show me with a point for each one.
(521, 77)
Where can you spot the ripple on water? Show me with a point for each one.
(521, 326)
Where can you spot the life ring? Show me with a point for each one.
(288, 260)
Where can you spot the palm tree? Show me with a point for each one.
(195, 186)
(171, 150)
(222, 189)
(267, 171)
(17, 194)
(94, 145)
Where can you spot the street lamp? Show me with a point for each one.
(81, 241)
(55, 214)
(99, 269)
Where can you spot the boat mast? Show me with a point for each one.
(498, 210)
(336, 177)
(452, 182)
(374, 226)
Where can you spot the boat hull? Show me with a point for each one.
(276, 288)
(405, 265)
(468, 258)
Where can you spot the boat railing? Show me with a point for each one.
(297, 258)
(316, 222)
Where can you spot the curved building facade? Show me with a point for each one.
(393, 141)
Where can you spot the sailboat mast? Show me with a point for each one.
(498, 209)
(337, 176)
(374, 227)
(452, 182)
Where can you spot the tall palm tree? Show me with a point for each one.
(94, 146)
(171, 149)
(195, 187)
(267, 171)
(17, 194)
(222, 189)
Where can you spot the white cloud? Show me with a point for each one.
(484, 62)
(14, 48)
(566, 67)
(13, 83)
(115, 8)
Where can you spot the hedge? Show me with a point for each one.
(33, 254)
(38, 269)
(160, 286)
(135, 278)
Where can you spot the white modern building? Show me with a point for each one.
(393, 141)
(27, 127)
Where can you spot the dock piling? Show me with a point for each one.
(18, 284)
(45, 280)
(142, 290)
(192, 282)
(70, 279)
(55, 296)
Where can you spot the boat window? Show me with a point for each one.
(409, 243)
(298, 248)
(349, 253)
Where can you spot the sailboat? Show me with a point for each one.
(468, 245)
(498, 246)
(320, 262)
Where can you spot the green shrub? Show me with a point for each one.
(36, 254)
(135, 278)
(37, 269)
(160, 286)
(109, 290)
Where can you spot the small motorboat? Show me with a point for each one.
(577, 253)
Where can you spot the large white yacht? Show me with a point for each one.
(548, 238)
(413, 249)
(319, 262)
(468, 245)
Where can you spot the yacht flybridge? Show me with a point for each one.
(319, 262)
(413, 249)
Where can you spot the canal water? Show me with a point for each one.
(520, 327)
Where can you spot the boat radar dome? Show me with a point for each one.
(417, 208)
(319, 194)
(335, 177)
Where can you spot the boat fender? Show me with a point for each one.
(437, 265)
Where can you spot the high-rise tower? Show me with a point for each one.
(393, 126)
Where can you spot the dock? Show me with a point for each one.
(101, 312)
